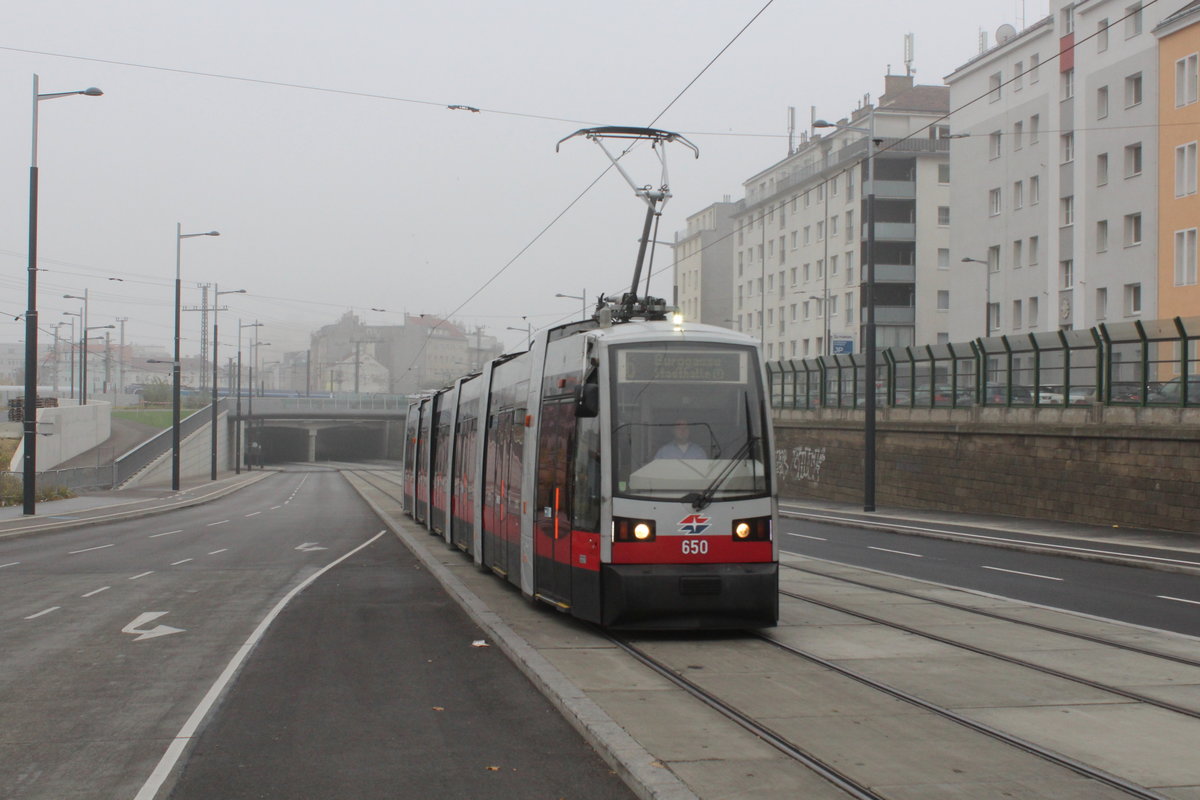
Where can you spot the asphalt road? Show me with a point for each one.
(116, 636)
(1163, 600)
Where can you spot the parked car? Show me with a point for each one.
(1081, 395)
(1169, 392)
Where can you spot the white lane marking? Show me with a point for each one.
(97, 591)
(175, 749)
(168, 533)
(182, 561)
(88, 549)
(1026, 574)
(1177, 599)
(222, 522)
(43, 613)
(897, 552)
(253, 514)
(964, 535)
(9, 564)
(275, 507)
(309, 547)
(150, 633)
(141, 575)
(802, 536)
(222, 550)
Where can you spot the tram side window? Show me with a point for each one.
(587, 475)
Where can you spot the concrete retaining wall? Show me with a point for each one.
(1133, 467)
(195, 456)
(65, 432)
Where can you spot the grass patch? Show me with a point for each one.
(158, 417)
(12, 491)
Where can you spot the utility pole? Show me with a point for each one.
(107, 362)
(121, 356)
(204, 333)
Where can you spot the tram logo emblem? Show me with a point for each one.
(694, 524)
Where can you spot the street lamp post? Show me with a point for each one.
(869, 302)
(29, 415)
(580, 297)
(237, 425)
(987, 303)
(175, 368)
(527, 330)
(215, 340)
(80, 315)
(83, 321)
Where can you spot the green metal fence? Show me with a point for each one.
(1138, 363)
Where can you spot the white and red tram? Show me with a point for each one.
(620, 473)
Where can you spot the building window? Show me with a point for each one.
(1033, 250)
(1068, 147)
(943, 173)
(943, 258)
(833, 305)
(1186, 80)
(1133, 90)
(994, 202)
(1016, 253)
(1133, 20)
(1102, 35)
(994, 144)
(1102, 236)
(820, 231)
(1102, 169)
(833, 226)
(1185, 169)
(1102, 102)
(1033, 312)
(1033, 68)
(792, 273)
(1133, 160)
(1185, 257)
(1016, 315)
(993, 258)
(1133, 229)
(1018, 75)
(1034, 126)
(807, 235)
(1035, 190)
(943, 215)
(850, 226)
(995, 80)
(1067, 210)
(1068, 84)
(833, 265)
(833, 186)
(1101, 303)
(1133, 299)
(1018, 194)
(943, 300)
(1068, 20)
(1018, 134)
(1066, 274)
(849, 306)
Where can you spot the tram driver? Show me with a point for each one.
(681, 445)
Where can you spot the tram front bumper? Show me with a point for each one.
(690, 596)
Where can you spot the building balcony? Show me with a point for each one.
(893, 231)
(895, 273)
(896, 190)
(895, 315)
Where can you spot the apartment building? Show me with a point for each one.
(1055, 155)
(1178, 132)
(703, 255)
(799, 233)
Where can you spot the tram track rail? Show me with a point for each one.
(1087, 637)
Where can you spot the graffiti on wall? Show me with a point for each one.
(800, 463)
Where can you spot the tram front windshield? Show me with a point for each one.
(688, 420)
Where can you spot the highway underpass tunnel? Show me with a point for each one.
(342, 443)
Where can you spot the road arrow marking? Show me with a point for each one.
(309, 547)
(150, 633)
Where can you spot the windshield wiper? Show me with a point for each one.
(701, 500)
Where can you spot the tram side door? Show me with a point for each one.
(552, 531)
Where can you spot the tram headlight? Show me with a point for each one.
(632, 530)
(755, 529)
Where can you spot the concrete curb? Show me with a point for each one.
(648, 778)
(908, 527)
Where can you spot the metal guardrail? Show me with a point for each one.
(75, 478)
(129, 464)
(1135, 363)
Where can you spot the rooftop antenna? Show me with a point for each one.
(908, 54)
(630, 304)
(791, 130)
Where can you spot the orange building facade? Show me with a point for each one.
(1178, 174)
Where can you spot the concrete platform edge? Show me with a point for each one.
(645, 776)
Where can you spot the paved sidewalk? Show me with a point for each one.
(105, 505)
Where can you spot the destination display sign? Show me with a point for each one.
(694, 366)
